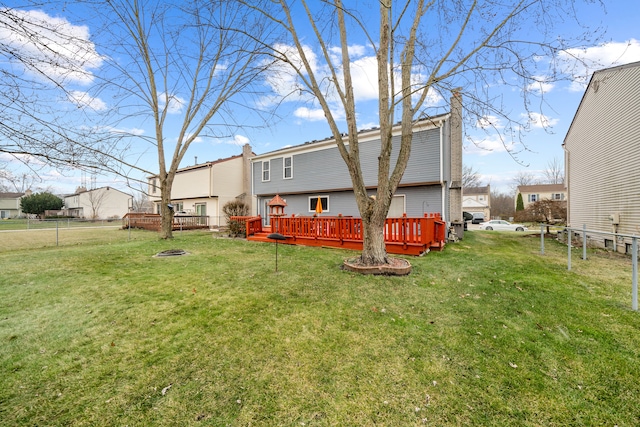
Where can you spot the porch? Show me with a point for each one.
(406, 236)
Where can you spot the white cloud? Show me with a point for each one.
(581, 63)
(489, 145)
(237, 140)
(176, 103)
(83, 99)
(50, 46)
(541, 85)
(540, 121)
(489, 122)
(309, 114)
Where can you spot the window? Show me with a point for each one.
(557, 196)
(287, 167)
(313, 203)
(201, 209)
(154, 185)
(534, 197)
(265, 171)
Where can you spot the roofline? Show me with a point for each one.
(364, 134)
(204, 165)
(584, 94)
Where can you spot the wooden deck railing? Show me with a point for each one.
(402, 235)
(153, 221)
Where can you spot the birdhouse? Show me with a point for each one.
(276, 206)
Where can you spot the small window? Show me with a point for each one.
(533, 198)
(608, 243)
(265, 171)
(324, 202)
(557, 196)
(287, 167)
(154, 186)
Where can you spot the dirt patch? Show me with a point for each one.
(395, 267)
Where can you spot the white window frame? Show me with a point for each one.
(267, 170)
(285, 167)
(312, 209)
(533, 198)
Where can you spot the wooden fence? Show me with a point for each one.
(153, 221)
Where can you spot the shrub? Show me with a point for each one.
(235, 208)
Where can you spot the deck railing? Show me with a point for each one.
(153, 221)
(402, 235)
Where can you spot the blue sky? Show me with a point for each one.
(297, 123)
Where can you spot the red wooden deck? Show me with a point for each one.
(409, 236)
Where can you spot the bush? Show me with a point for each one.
(235, 208)
(544, 211)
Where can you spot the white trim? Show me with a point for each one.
(284, 167)
(268, 170)
(318, 197)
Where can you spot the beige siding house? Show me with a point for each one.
(602, 155)
(535, 193)
(10, 205)
(99, 203)
(203, 189)
(477, 200)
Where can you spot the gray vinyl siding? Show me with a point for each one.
(603, 153)
(325, 170)
(418, 201)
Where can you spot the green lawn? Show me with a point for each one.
(487, 332)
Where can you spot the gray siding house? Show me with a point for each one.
(602, 156)
(315, 170)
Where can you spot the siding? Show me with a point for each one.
(325, 170)
(603, 152)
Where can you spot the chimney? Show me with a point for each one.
(455, 185)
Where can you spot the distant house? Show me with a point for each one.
(602, 156)
(477, 200)
(99, 203)
(203, 189)
(311, 172)
(537, 192)
(10, 205)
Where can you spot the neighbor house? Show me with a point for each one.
(10, 205)
(98, 203)
(537, 192)
(477, 200)
(203, 189)
(602, 157)
(306, 173)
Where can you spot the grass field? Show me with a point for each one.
(487, 332)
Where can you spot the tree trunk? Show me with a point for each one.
(166, 214)
(374, 250)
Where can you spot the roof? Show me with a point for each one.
(205, 164)
(95, 189)
(11, 195)
(541, 188)
(476, 190)
(364, 134)
(591, 81)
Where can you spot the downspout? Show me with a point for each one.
(442, 186)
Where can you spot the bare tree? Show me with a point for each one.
(554, 173)
(502, 205)
(180, 66)
(96, 198)
(470, 177)
(522, 178)
(421, 48)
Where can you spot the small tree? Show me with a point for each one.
(519, 203)
(39, 202)
(235, 208)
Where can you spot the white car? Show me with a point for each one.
(500, 225)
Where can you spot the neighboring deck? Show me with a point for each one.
(153, 221)
(409, 236)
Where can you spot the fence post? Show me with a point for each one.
(541, 239)
(568, 249)
(584, 241)
(634, 292)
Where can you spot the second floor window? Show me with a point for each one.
(533, 197)
(265, 171)
(287, 167)
(557, 196)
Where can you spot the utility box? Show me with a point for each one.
(615, 218)
(458, 228)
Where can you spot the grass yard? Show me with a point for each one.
(487, 332)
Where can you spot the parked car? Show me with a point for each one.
(478, 217)
(500, 225)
